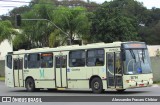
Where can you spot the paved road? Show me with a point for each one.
(147, 91)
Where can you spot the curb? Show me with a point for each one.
(155, 85)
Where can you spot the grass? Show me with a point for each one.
(2, 78)
(157, 82)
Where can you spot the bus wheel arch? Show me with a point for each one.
(96, 84)
(30, 84)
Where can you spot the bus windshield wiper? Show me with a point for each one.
(143, 55)
(132, 53)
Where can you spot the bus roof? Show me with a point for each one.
(70, 47)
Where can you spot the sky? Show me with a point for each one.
(6, 6)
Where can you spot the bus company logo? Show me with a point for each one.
(6, 99)
(21, 99)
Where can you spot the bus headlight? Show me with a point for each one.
(130, 81)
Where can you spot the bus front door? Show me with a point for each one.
(114, 71)
(18, 72)
(61, 71)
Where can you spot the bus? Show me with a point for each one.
(98, 67)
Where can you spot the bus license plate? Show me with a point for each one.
(141, 85)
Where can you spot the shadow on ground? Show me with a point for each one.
(127, 92)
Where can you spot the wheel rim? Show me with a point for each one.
(96, 85)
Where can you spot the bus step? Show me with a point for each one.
(61, 88)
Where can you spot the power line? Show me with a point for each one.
(74, 5)
(8, 6)
(50, 3)
(14, 1)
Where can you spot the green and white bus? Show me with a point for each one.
(98, 66)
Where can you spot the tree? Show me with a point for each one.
(110, 24)
(36, 33)
(6, 30)
(150, 31)
(73, 21)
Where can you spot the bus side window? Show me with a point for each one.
(47, 60)
(118, 64)
(15, 64)
(9, 61)
(77, 58)
(110, 66)
(33, 60)
(57, 62)
(64, 63)
(95, 57)
(25, 61)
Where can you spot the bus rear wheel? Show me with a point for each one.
(96, 85)
(30, 85)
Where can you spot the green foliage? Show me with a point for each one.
(36, 33)
(6, 30)
(53, 38)
(117, 20)
(19, 41)
(110, 24)
(2, 78)
(150, 32)
(73, 21)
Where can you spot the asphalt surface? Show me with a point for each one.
(146, 91)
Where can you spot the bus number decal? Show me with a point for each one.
(41, 73)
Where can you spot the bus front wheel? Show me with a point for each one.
(30, 85)
(96, 85)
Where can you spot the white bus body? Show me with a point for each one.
(99, 66)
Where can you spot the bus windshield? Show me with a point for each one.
(137, 61)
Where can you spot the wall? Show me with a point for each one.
(153, 50)
(5, 47)
(155, 63)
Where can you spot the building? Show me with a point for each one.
(5, 47)
(153, 50)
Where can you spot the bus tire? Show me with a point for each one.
(96, 85)
(30, 85)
